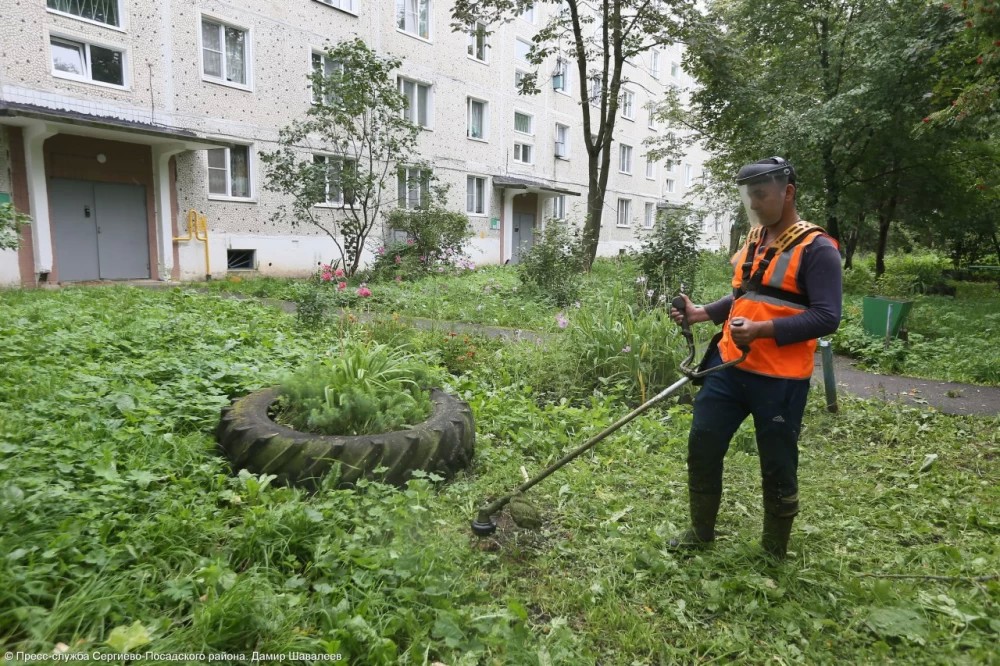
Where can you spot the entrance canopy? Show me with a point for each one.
(529, 185)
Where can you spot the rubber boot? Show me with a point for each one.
(704, 509)
(777, 530)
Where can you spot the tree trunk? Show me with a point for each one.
(832, 184)
(884, 221)
(996, 246)
(853, 237)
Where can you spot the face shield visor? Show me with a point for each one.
(762, 188)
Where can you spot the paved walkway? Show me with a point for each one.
(947, 397)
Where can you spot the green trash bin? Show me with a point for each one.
(883, 317)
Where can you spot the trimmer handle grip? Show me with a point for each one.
(679, 305)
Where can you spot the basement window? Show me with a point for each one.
(241, 260)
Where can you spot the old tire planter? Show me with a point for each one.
(252, 440)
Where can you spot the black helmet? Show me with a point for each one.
(772, 168)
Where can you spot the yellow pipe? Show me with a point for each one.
(198, 230)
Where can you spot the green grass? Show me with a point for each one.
(118, 510)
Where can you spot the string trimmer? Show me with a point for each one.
(523, 513)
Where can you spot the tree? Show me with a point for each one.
(837, 86)
(599, 38)
(346, 150)
(969, 89)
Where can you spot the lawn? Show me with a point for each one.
(126, 530)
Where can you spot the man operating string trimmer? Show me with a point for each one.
(786, 293)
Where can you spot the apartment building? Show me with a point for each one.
(120, 117)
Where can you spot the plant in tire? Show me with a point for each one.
(364, 389)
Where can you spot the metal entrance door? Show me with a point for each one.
(523, 235)
(100, 230)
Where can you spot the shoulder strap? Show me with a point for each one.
(791, 237)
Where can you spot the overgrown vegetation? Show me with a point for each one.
(11, 221)
(359, 389)
(551, 269)
(132, 531)
(668, 256)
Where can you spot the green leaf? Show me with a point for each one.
(897, 623)
(125, 639)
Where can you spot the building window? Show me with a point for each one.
(529, 14)
(628, 105)
(650, 169)
(418, 96)
(652, 117)
(560, 77)
(650, 216)
(519, 75)
(675, 70)
(477, 122)
(668, 186)
(475, 195)
(414, 187)
(668, 165)
(224, 53)
(654, 65)
(522, 153)
(624, 212)
(521, 49)
(477, 42)
(324, 67)
(413, 16)
(523, 123)
(346, 5)
(229, 172)
(241, 260)
(332, 171)
(100, 11)
(562, 141)
(559, 207)
(595, 89)
(688, 175)
(87, 62)
(625, 159)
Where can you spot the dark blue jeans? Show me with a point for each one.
(726, 398)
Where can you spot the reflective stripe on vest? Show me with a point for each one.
(792, 361)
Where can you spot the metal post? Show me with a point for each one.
(829, 381)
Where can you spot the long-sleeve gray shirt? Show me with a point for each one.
(820, 280)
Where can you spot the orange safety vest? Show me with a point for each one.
(766, 286)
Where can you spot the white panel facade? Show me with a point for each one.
(163, 45)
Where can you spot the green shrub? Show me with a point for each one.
(361, 389)
(974, 290)
(668, 257)
(434, 242)
(551, 269)
(11, 222)
(859, 279)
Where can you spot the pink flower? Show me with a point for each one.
(399, 278)
(409, 241)
(364, 292)
(381, 250)
(626, 349)
(341, 286)
(399, 259)
(339, 273)
(561, 320)
(423, 259)
(327, 276)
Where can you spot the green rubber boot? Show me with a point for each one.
(704, 509)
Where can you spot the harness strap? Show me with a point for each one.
(791, 237)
